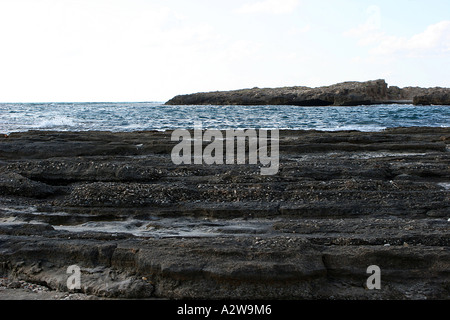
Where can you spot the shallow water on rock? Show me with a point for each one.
(152, 227)
(445, 185)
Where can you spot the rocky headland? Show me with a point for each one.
(139, 226)
(341, 94)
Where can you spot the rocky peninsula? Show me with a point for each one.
(341, 94)
(139, 226)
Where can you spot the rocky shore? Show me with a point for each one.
(139, 226)
(341, 94)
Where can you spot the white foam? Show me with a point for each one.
(362, 128)
(57, 121)
(445, 185)
(16, 117)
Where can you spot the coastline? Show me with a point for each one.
(351, 93)
(342, 201)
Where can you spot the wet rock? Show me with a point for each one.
(139, 226)
(14, 184)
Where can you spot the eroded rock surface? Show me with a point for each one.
(350, 93)
(139, 226)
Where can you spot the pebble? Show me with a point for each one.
(20, 284)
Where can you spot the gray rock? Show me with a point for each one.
(437, 96)
(225, 231)
(341, 94)
(12, 183)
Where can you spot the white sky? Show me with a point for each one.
(151, 50)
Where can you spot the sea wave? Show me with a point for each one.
(128, 117)
(55, 122)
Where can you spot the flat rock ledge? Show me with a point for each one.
(140, 227)
(341, 94)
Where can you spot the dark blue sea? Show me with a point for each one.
(143, 116)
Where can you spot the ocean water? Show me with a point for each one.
(17, 117)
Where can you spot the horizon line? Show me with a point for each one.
(67, 102)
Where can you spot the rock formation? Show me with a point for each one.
(342, 94)
(437, 96)
(139, 226)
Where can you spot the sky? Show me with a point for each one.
(152, 50)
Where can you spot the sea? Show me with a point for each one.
(143, 116)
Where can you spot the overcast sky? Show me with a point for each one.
(151, 50)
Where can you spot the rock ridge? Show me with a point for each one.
(140, 227)
(351, 93)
